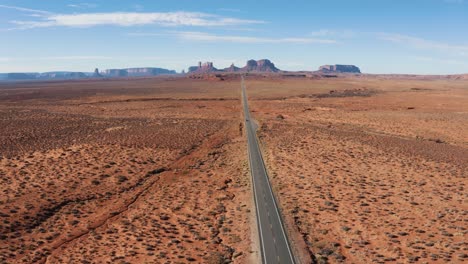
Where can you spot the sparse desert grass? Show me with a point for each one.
(91, 172)
(369, 179)
(368, 169)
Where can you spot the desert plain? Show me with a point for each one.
(366, 169)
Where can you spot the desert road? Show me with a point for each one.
(274, 244)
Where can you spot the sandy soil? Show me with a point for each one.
(127, 171)
(369, 170)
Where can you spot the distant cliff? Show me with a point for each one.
(42, 76)
(260, 66)
(232, 68)
(63, 75)
(205, 67)
(251, 66)
(115, 73)
(136, 72)
(337, 68)
(19, 76)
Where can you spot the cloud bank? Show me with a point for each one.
(206, 37)
(29, 10)
(420, 43)
(126, 19)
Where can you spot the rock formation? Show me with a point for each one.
(192, 69)
(44, 76)
(251, 66)
(232, 68)
(116, 73)
(96, 74)
(337, 68)
(260, 66)
(137, 72)
(205, 67)
(21, 76)
(62, 75)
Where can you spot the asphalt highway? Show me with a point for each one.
(274, 244)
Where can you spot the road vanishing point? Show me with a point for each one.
(274, 244)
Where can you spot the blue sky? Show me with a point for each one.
(379, 36)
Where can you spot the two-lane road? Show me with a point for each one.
(274, 244)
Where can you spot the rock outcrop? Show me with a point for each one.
(62, 75)
(137, 72)
(21, 76)
(43, 76)
(232, 68)
(337, 68)
(96, 74)
(192, 69)
(251, 66)
(260, 66)
(116, 73)
(205, 67)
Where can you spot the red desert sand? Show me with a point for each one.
(366, 169)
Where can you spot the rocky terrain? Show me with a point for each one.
(43, 76)
(260, 66)
(141, 171)
(63, 75)
(368, 170)
(254, 66)
(97, 74)
(206, 67)
(337, 68)
(136, 72)
(232, 68)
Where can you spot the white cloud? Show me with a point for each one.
(201, 36)
(75, 58)
(334, 33)
(440, 61)
(143, 34)
(82, 5)
(25, 9)
(322, 32)
(420, 43)
(57, 58)
(133, 19)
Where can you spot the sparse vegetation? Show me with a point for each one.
(78, 164)
(368, 173)
(139, 171)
